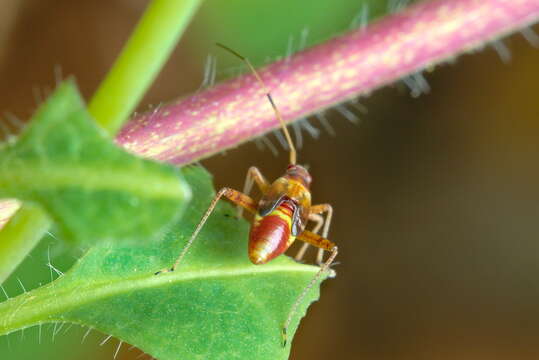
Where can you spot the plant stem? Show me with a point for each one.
(142, 57)
(19, 236)
(354, 64)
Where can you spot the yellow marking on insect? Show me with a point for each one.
(282, 215)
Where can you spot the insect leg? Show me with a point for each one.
(319, 222)
(323, 244)
(253, 175)
(319, 209)
(236, 197)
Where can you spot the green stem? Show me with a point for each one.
(19, 236)
(142, 57)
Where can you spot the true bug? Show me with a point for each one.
(281, 215)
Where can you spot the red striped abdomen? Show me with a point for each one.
(271, 235)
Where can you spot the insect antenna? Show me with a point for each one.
(270, 98)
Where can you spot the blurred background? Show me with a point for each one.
(436, 197)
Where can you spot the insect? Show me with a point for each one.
(281, 215)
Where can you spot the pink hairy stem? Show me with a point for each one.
(356, 63)
(320, 77)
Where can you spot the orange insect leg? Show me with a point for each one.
(240, 199)
(253, 175)
(316, 210)
(323, 244)
(236, 197)
(319, 223)
(316, 240)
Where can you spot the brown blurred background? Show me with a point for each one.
(436, 197)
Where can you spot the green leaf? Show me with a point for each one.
(216, 305)
(91, 189)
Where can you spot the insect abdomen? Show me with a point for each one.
(270, 235)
